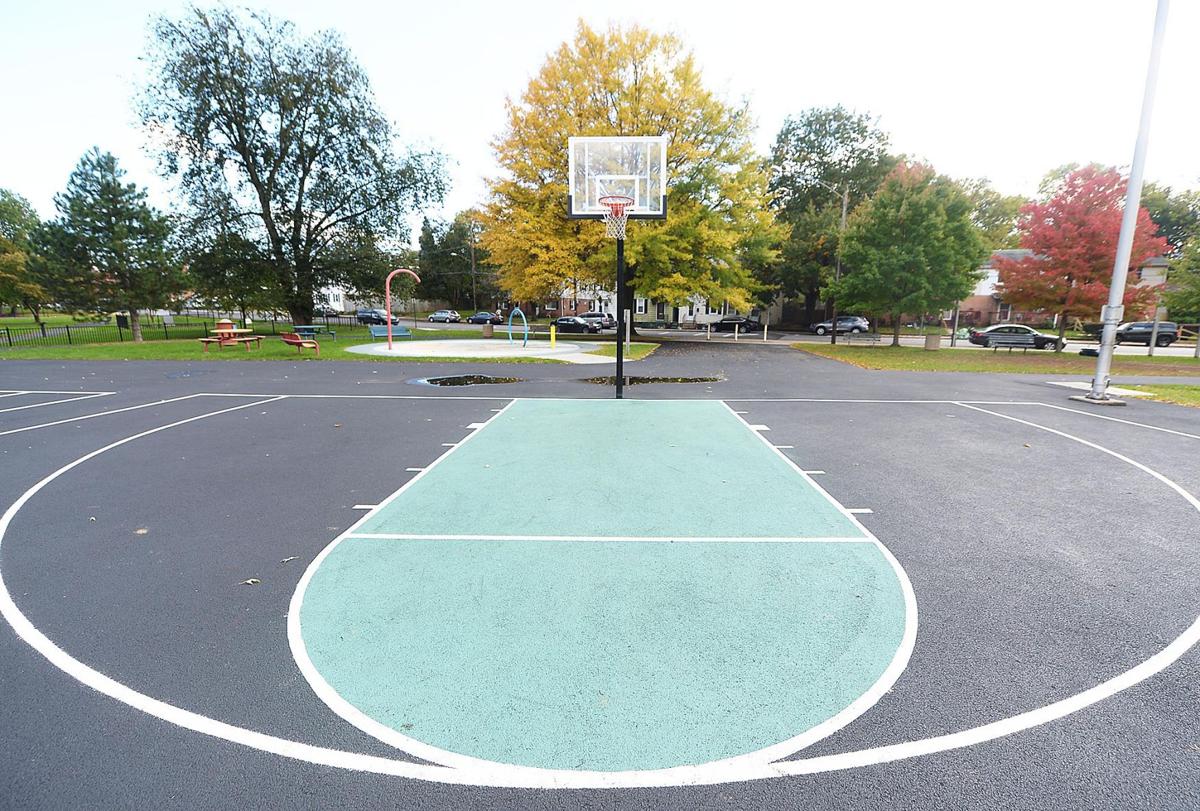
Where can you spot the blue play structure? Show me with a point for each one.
(517, 311)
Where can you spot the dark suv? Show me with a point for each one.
(1139, 332)
(375, 317)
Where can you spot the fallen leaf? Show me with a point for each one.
(93, 518)
(1026, 444)
(140, 531)
(253, 581)
(337, 425)
(289, 560)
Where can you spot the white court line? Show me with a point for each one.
(54, 402)
(64, 391)
(449, 444)
(814, 472)
(524, 778)
(1114, 419)
(785, 447)
(864, 400)
(357, 396)
(13, 393)
(98, 414)
(413, 469)
(475, 425)
(400, 536)
(860, 511)
(364, 506)
(755, 427)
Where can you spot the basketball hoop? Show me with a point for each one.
(616, 214)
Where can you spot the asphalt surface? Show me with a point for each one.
(1042, 567)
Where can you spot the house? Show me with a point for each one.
(986, 306)
(696, 312)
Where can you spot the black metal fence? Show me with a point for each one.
(159, 329)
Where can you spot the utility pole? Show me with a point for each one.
(1112, 313)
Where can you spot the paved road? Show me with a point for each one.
(1031, 587)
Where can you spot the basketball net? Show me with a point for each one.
(616, 214)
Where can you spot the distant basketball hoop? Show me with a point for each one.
(616, 214)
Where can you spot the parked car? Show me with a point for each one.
(1139, 332)
(1040, 339)
(605, 320)
(845, 323)
(573, 323)
(484, 317)
(374, 317)
(324, 310)
(446, 316)
(743, 323)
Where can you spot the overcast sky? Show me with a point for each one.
(1003, 89)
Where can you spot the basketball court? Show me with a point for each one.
(671, 600)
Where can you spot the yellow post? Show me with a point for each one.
(551, 336)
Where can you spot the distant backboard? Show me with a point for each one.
(630, 166)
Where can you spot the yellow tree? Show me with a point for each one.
(630, 81)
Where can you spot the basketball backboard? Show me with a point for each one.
(633, 167)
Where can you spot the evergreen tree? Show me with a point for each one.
(108, 250)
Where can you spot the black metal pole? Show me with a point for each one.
(620, 318)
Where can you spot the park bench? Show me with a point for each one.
(309, 331)
(1022, 341)
(871, 338)
(300, 342)
(380, 331)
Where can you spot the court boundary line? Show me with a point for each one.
(56, 391)
(95, 414)
(55, 402)
(358, 761)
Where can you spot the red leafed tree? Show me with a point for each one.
(1073, 239)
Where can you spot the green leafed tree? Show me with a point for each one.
(283, 132)
(1176, 214)
(816, 155)
(629, 81)
(454, 265)
(18, 284)
(107, 249)
(912, 248)
(996, 214)
(1183, 285)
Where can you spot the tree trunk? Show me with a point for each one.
(37, 313)
(895, 330)
(810, 305)
(135, 324)
(1062, 331)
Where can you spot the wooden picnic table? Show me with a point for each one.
(231, 336)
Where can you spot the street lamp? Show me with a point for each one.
(837, 273)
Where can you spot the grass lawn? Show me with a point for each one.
(635, 351)
(274, 349)
(916, 359)
(1172, 393)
